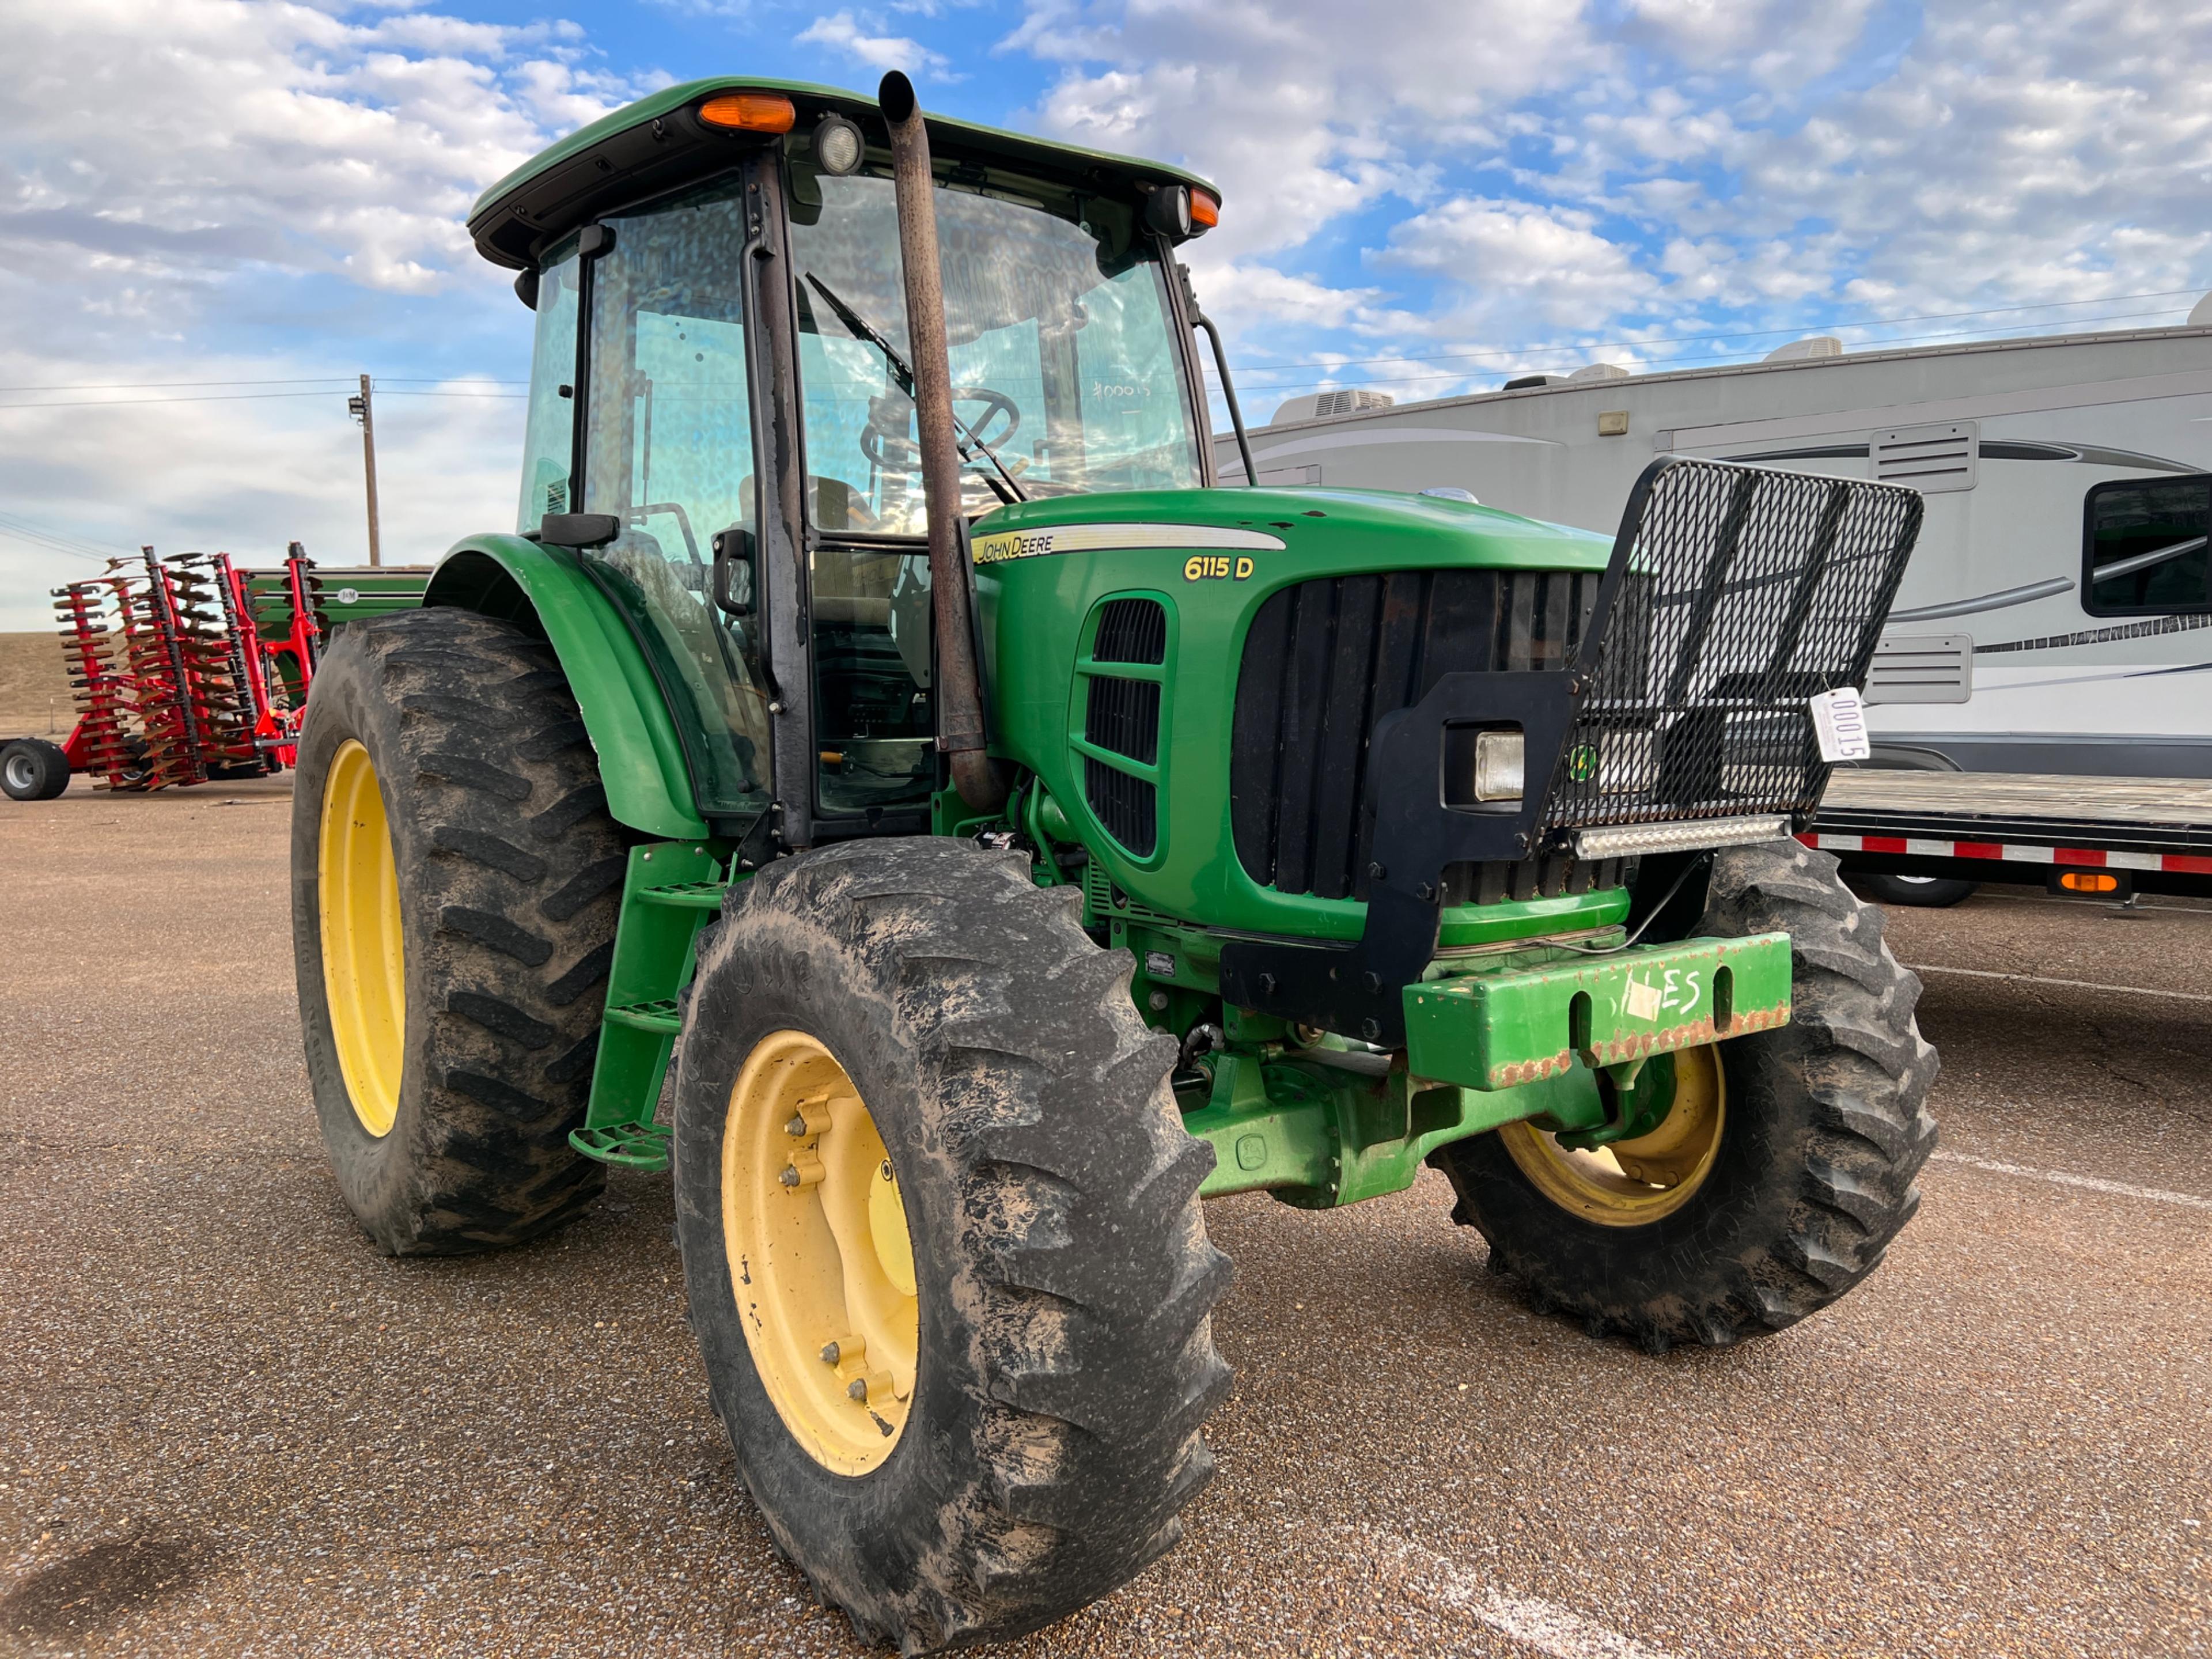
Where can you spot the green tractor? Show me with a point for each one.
(1015, 839)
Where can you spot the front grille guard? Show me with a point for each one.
(1735, 593)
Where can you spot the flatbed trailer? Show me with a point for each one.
(2093, 836)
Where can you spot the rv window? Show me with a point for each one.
(2144, 547)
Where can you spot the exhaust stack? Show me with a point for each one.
(959, 681)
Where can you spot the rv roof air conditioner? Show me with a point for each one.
(1319, 405)
(1600, 372)
(1798, 351)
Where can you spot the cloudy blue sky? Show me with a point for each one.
(213, 213)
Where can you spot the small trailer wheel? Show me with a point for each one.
(1921, 892)
(31, 769)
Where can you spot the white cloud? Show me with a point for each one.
(245, 475)
(177, 171)
(1304, 111)
(1742, 160)
(879, 52)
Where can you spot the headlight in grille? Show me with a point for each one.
(1485, 765)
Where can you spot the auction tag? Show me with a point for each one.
(1839, 723)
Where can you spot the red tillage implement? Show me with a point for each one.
(176, 683)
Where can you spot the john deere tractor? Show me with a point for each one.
(1017, 839)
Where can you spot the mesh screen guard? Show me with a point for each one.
(1734, 594)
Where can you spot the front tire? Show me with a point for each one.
(455, 884)
(1023, 1426)
(1795, 1168)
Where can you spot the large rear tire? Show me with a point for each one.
(1028, 1275)
(455, 883)
(1785, 1168)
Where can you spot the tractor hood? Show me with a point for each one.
(1378, 529)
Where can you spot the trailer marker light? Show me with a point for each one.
(1205, 211)
(749, 112)
(1621, 840)
(2089, 881)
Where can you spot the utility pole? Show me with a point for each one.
(362, 409)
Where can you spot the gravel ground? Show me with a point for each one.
(227, 1426)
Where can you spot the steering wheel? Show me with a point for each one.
(875, 440)
(996, 404)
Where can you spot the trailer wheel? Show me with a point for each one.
(455, 882)
(31, 769)
(1924, 893)
(941, 1240)
(1784, 1169)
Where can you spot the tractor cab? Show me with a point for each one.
(717, 276)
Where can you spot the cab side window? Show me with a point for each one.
(2144, 549)
(668, 450)
(549, 442)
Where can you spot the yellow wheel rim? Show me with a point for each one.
(364, 977)
(1632, 1183)
(820, 1256)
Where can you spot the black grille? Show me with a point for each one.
(1326, 659)
(1131, 631)
(1124, 716)
(1124, 805)
(1747, 592)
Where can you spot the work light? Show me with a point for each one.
(1498, 763)
(838, 146)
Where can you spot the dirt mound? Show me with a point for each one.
(35, 688)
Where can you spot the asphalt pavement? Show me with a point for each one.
(229, 1426)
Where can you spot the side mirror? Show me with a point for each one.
(578, 530)
(733, 570)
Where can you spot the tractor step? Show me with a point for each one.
(685, 894)
(628, 1145)
(663, 1015)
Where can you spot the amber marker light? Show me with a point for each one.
(2089, 881)
(1205, 211)
(749, 112)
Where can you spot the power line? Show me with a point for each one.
(1745, 333)
(237, 397)
(318, 380)
(55, 541)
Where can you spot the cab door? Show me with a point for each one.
(665, 444)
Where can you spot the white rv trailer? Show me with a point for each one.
(2056, 618)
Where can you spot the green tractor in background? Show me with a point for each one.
(1019, 839)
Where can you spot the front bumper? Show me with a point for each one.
(1500, 1029)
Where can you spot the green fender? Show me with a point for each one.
(641, 756)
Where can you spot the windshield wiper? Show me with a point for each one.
(903, 372)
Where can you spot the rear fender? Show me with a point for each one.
(546, 591)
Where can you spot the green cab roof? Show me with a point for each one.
(655, 143)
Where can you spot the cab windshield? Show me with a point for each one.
(1066, 374)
